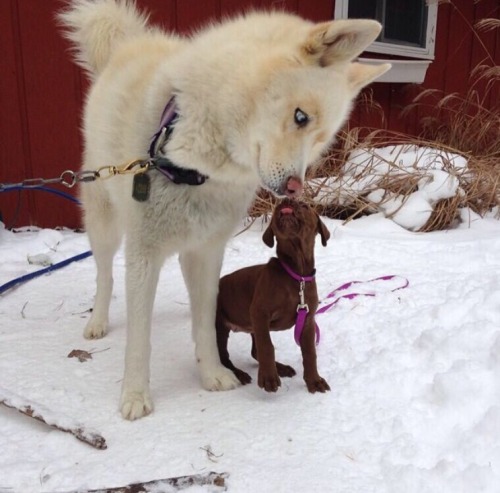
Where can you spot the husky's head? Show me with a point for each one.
(304, 95)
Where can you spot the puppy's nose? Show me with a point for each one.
(294, 187)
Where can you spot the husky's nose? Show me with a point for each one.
(293, 187)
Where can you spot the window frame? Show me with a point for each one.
(427, 53)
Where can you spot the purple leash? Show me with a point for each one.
(404, 284)
(302, 307)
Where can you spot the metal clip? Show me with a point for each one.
(129, 167)
(33, 182)
(87, 176)
(302, 305)
(68, 178)
(106, 172)
(160, 141)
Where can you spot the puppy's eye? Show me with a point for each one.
(301, 117)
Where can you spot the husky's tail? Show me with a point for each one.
(96, 27)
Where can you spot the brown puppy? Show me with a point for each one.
(267, 297)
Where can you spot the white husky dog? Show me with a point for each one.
(258, 98)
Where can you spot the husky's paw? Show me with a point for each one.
(95, 330)
(135, 405)
(219, 378)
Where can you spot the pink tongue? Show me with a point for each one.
(287, 210)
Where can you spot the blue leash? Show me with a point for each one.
(42, 189)
(41, 272)
(28, 277)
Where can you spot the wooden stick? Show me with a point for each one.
(50, 418)
(180, 483)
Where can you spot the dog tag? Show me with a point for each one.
(140, 187)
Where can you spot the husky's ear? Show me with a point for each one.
(268, 236)
(323, 231)
(339, 41)
(361, 74)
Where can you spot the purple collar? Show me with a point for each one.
(176, 174)
(296, 276)
(167, 121)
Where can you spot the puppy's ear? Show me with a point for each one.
(323, 231)
(268, 236)
(339, 41)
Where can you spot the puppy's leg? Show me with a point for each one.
(283, 370)
(268, 378)
(201, 271)
(143, 269)
(314, 382)
(222, 338)
(105, 236)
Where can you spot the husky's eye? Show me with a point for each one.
(301, 117)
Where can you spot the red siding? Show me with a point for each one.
(42, 91)
(486, 52)
(14, 144)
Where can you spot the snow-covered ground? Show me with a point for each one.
(415, 374)
(368, 172)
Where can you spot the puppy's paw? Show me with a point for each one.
(135, 405)
(95, 330)
(219, 378)
(285, 370)
(270, 382)
(242, 376)
(317, 385)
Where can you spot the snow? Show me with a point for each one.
(366, 171)
(415, 373)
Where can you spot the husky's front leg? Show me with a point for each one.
(201, 271)
(142, 273)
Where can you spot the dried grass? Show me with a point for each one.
(487, 24)
(479, 183)
(464, 123)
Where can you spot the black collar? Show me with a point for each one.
(176, 174)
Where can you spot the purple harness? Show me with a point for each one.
(302, 307)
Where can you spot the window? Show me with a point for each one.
(409, 26)
(409, 29)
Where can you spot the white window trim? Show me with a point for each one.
(341, 10)
(408, 71)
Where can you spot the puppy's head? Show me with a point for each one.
(293, 220)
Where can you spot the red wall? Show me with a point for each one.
(41, 90)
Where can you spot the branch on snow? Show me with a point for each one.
(215, 479)
(54, 420)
